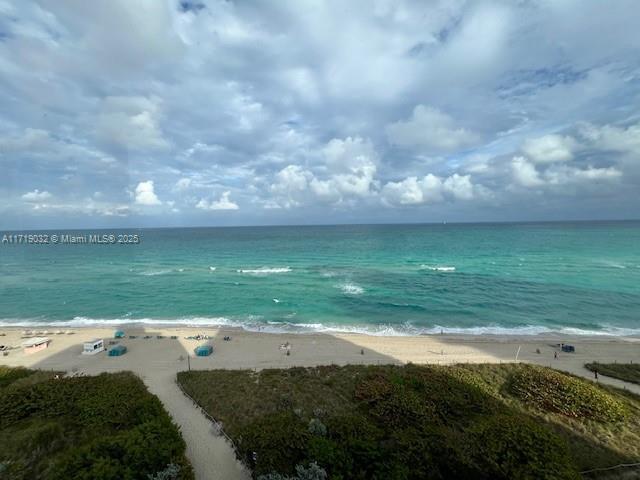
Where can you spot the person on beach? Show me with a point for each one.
(595, 372)
(555, 355)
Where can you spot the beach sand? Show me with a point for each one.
(157, 361)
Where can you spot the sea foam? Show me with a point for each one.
(256, 323)
(153, 273)
(265, 270)
(438, 268)
(351, 289)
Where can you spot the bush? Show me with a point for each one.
(393, 403)
(507, 447)
(170, 473)
(404, 397)
(9, 375)
(410, 422)
(316, 427)
(104, 427)
(557, 392)
(279, 442)
(314, 472)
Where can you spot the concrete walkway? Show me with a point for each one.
(632, 387)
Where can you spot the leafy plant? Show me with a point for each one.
(103, 427)
(557, 392)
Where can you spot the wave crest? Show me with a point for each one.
(438, 268)
(264, 270)
(258, 324)
(351, 289)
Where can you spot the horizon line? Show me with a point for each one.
(311, 225)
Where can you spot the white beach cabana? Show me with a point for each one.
(93, 346)
(36, 344)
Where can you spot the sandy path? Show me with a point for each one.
(210, 454)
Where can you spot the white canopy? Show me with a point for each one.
(32, 342)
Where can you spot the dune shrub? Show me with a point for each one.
(557, 392)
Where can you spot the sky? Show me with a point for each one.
(120, 113)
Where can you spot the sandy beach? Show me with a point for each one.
(156, 360)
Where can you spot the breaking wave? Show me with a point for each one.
(265, 270)
(258, 324)
(443, 268)
(351, 289)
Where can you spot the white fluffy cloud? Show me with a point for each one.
(550, 148)
(347, 170)
(525, 174)
(145, 194)
(612, 138)
(224, 203)
(36, 196)
(429, 189)
(431, 129)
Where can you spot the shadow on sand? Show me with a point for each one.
(156, 357)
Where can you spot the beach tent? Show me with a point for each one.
(203, 350)
(117, 351)
(93, 346)
(118, 334)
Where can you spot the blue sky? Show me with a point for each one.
(181, 113)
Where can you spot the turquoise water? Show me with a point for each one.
(393, 279)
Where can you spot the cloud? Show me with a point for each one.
(525, 173)
(431, 129)
(183, 184)
(36, 196)
(459, 109)
(224, 203)
(568, 175)
(291, 186)
(145, 194)
(346, 170)
(613, 138)
(550, 148)
(132, 123)
(430, 189)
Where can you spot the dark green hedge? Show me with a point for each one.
(104, 427)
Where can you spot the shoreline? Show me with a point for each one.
(383, 331)
(249, 349)
(158, 360)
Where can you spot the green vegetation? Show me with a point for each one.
(104, 427)
(629, 372)
(406, 422)
(553, 391)
(23, 376)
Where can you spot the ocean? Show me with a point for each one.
(520, 278)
